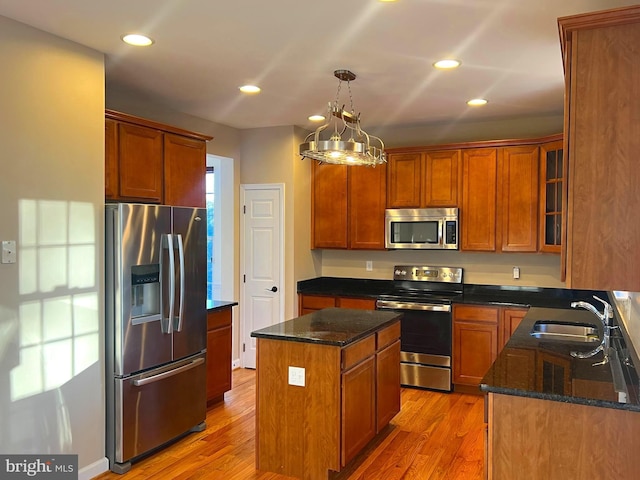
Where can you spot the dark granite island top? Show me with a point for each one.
(544, 369)
(330, 326)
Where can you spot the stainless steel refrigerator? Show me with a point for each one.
(156, 321)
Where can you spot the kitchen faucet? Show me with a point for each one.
(604, 317)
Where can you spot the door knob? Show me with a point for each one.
(272, 289)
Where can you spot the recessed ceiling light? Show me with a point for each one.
(316, 118)
(447, 64)
(137, 40)
(476, 102)
(249, 89)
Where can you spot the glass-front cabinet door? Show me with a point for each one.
(551, 179)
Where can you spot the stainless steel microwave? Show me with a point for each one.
(421, 228)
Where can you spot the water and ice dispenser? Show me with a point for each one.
(145, 293)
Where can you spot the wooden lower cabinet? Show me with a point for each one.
(312, 303)
(547, 440)
(388, 384)
(358, 408)
(349, 395)
(479, 334)
(218, 354)
(511, 318)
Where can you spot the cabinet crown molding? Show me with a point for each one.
(125, 117)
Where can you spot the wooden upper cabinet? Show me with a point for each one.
(518, 198)
(329, 206)
(405, 180)
(140, 163)
(442, 176)
(149, 162)
(367, 201)
(111, 180)
(551, 196)
(348, 206)
(184, 171)
(602, 131)
(478, 210)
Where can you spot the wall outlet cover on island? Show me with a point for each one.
(296, 376)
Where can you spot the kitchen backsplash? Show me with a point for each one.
(536, 270)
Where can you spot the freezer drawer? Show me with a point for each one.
(155, 407)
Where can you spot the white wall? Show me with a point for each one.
(52, 197)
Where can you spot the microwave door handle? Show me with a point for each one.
(441, 225)
(180, 317)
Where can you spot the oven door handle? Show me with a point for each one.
(392, 305)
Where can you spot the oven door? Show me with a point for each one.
(426, 343)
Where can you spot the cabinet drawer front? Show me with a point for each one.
(473, 313)
(219, 318)
(357, 303)
(358, 351)
(317, 302)
(387, 335)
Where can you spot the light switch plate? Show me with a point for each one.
(296, 376)
(8, 251)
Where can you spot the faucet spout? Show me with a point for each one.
(604, 318)
(587, 306)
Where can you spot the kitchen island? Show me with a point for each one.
(559, 417)
(326, 384)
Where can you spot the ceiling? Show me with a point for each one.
(205, 49)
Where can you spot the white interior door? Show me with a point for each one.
(261, 270)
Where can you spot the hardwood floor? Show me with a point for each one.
(435, 436)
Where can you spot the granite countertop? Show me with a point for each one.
(539, 368)
(473, 294)
(330, 326)
(213, 305)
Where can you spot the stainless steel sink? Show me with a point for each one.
(565, 331)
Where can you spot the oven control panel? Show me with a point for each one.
(428, 274)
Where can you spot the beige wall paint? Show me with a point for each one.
(479, 268)
(270, 156)
(52, 197)
(464, 131)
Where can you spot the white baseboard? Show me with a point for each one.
(93, 470)
(235, 364)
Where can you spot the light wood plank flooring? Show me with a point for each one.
(435, 436)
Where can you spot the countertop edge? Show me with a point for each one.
(215, 305)
(590, 402)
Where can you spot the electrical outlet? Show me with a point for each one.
(516, 272)
(369, 266)
(296, 376)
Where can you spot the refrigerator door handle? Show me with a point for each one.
(167, 321)
(181, 270)
(170, 373)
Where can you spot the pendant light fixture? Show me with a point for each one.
(357, 149)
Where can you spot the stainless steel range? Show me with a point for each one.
(424, 295)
